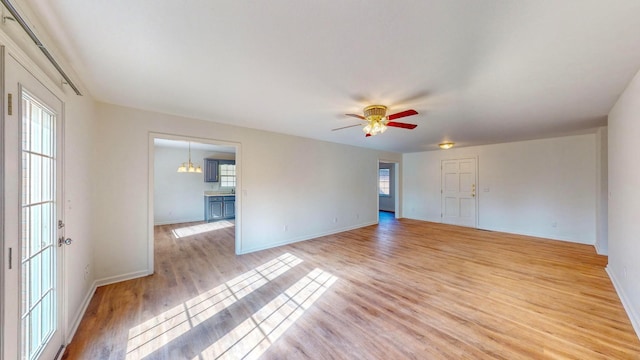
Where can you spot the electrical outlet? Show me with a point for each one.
(624, 272)
(86, 272)
(285, 228)
(335, 219)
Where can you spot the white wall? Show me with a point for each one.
(79, 168)
(523, 187)
(178, 197)
(624, 199)
(388, 203)
(311, 187)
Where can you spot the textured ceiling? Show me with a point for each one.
(478, 72)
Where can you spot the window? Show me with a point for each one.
(383, 181)
(227, 175)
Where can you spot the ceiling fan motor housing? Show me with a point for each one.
(375, 112)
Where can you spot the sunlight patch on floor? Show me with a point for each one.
(202, 228)
(155, 333)
(253, 336)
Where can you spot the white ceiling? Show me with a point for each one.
(478, 72)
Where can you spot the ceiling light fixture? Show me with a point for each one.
(189, 166)
(377, 121)
(446, 145)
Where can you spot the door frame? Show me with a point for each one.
(477, 177)
(151, 184)
(7, 49)
(2, 188)
(397, 203)
(9, 46)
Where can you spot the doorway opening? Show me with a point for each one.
(388, 190)
(198, 201)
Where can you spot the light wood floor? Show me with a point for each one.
(401, 290)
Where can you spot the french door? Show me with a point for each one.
(32, 216)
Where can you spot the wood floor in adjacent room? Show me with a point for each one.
(405, 289)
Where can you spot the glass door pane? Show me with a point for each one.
(38, 306)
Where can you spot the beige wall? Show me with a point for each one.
(523, 187)
(308, 187)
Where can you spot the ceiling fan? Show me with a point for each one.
(378, 121)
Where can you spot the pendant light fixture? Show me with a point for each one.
(189, 166)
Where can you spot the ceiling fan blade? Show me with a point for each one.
(402, 114)
(402, 125)
(346, 127)
(356, 116)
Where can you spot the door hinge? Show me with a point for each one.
(60, 224)
(9, 104)
(10, 258)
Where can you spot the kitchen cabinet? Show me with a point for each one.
(229, 206)
(219, 207)
(211, 170)
(214, 209)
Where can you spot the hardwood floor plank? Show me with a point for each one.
(404, 289)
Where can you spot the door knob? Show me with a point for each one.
(62, 240)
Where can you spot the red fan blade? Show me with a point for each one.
(402, 125)
(356, 116)
(346, 127)
(402, 114)
(367, 135)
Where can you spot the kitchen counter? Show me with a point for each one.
(218, 193)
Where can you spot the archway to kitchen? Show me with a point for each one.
(193, 204)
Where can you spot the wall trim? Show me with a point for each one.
(634, 317)
(120, 278)
(77, 319)
(178, 221)
(306, 237)
(600, 250)
(542, 235)
(80, 313)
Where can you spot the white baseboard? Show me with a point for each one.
(80, 313)
(631, 312)
(600, 250)
(178, 221)
(123, 277)
(304, 238)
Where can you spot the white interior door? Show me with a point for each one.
(459, 201)
(32, 208)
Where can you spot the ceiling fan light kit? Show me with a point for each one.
(374, 114)
(377, 121)
(446, 145)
